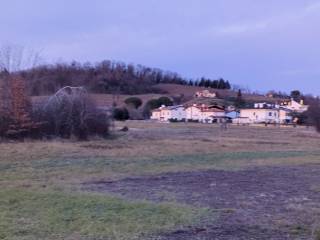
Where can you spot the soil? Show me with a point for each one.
(257, 203)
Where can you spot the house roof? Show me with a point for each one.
(257, 109)
(173, 107)
(212, 110)
(167, 108)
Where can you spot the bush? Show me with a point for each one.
(165, 101)
(120, 114)
(313, 113)
(156, 103)
(72, 115)
(5, 122)
(150, 105)
(134, 102)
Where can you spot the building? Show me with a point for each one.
(267, 113)
(260, 115)
(193, 113)
(205, 114)
(165, 114)
(266, 105)
(285, 116)
(213, 114)
(294, 106)
(232, 114)
(241, 121)
(205, 94)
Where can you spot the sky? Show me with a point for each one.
(261, 45)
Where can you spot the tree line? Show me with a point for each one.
(209, 83)
(107, 77)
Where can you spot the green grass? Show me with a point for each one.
(52, 207)
(28, 215)
(64, 167)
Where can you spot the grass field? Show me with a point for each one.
(44, 193)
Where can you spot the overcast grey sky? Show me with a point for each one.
(265, 44)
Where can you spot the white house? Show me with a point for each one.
(295, 106)
(165, 114)
(266, 105)
(285, 116)
(204, 113)
(205, 94)
(212, 114)
(265, 115)
(193, 113)
(260, 115)
(232, 114)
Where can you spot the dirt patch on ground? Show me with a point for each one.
(259, 203)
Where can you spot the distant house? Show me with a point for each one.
(260, 115)
(265, 105)
(232, 114)
(266, 113)
(165, 114)
(193, 113)
(270, 95)
(205, 94)
(156, 114)
(213, 114)
(241, 120)
(204, 113)
(285, 116)
(295, 106)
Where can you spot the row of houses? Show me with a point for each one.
(261, 113)
(281, 113)
(200, 113)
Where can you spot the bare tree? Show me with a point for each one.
(14, 58)
(71, 113)
(14, 101)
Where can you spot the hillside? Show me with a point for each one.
(172, 90)
(189, 91)
(103, 100)
(107, 77)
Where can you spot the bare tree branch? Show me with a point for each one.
(14, 58)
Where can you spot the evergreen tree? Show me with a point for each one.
(239, 103)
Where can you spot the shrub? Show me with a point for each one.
(156, 103)
(165, 101)
(5, 122)
(134, 102)
(72, 114)
(313, 113)
(150, 105)
(120, 114)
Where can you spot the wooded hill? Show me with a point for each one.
(108, 77)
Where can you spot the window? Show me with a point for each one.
(270, 114)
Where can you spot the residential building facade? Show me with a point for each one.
(260, 115)
(165, 114)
